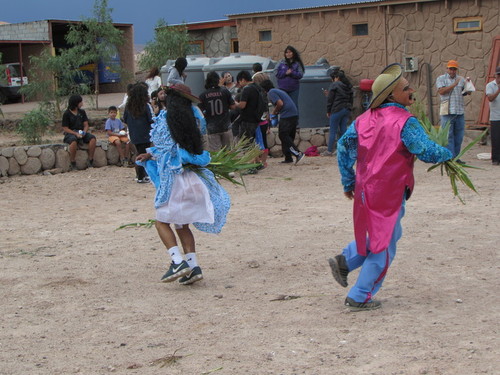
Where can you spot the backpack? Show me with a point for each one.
(262, 106)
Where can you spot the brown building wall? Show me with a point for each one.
(423, 30)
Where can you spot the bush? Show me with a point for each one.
(34, 125)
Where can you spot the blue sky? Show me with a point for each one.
(145, 14)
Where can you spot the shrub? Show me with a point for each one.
(34, 125)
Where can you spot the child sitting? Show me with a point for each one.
(117, 135)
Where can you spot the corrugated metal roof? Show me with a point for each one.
(334, 3)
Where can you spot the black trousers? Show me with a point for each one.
(140, 172)
(495, 140)
(286, 131)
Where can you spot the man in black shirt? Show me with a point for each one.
(248, 105)
(75, 124)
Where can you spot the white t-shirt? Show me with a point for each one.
(153, 84)
(492, 88)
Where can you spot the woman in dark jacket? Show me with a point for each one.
(289, 72)
(338, 108)
(138, 117)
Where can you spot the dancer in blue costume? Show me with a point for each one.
(183, 196)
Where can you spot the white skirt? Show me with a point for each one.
(189, 202)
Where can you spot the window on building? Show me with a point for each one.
(265, 36)
(197, 47)
(461, 25)
(235, 46)
(360, 29)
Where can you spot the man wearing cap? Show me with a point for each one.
(492, 93)
(450, 87)
(383, 143)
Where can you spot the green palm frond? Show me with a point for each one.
(455, 171)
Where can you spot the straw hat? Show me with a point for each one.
(452, 64)
(385, 83)
(184, 91)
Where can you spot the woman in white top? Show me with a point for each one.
(153, 80)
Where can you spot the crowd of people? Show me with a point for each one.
(165, 126)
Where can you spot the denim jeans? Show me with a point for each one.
(456, 134)
(294, 95)
(373, 266)
(338, 123)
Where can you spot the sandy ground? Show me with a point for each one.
(80, 297)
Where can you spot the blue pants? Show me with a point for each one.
(373, 266)
(294, 95)
(456, 134)
(338, 123)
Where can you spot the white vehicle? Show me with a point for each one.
(12, 82)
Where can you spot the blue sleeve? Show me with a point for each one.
(347, 153)
(417, 142)
(273, 96)
(108, 125)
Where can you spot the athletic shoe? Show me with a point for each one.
(194, 276)
(90, 163)
(286, 161)
(362, 306)
(327, 153)
(147, 179)
(300, 156)
(142, 181)
(175, 271)
(339, 269)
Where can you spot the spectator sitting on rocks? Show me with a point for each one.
(75, 124)
(117, 135)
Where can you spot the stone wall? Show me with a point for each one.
(420, 29)
(38, 30)
(52, 158)
(217, 41)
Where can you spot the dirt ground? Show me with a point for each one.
(78, 296)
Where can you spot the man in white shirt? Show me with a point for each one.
(492, 93)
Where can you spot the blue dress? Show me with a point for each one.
(167, 164)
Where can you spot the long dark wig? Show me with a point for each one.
(138, 100)
(295, 58)
(182, 123)
(180, 64)
(342, 77)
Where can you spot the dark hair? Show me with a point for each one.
(341, 76)
(257, 67)
(295, 58)
(267, 85)
(182, 123)
(73, 101)
(180, 64)
(138, 100)
(244, 74)
(226, 72)
(112, 108)
(129, 87)
(153, 73)
(212, 80)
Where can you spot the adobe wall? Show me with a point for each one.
(424, 30)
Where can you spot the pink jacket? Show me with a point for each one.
(383, 173)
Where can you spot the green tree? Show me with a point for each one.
(94, 39)
(53, 79)
(170, 42)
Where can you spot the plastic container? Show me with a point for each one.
(366, 84)
(194, 71)
(312, 100)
